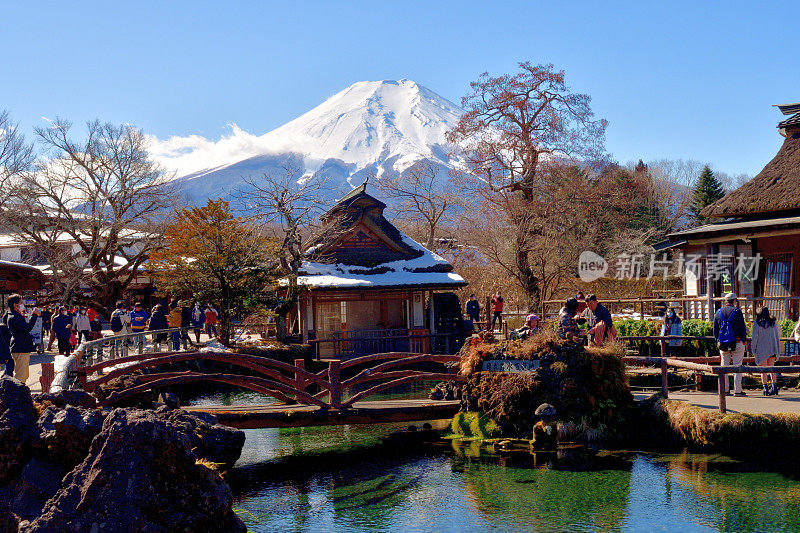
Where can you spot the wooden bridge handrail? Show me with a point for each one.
(254, 362)
(401, 381)
(248, 382)
(393, 355)
(375, 372)
(90, 385)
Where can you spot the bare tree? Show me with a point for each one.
(285, 204)
(16, 155)
(514, 128)
(102, 195)
(425, 197)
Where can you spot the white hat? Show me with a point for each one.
(731, 296)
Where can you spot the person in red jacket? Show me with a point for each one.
(497, 310)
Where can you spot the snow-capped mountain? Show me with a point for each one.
(370, 128)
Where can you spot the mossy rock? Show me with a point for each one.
(477, 425)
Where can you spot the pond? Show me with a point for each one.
(343, 479)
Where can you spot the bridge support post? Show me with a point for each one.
(300, 382)
(334, 376)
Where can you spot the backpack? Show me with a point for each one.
(5, 341)
(116, 322)
(727, 340)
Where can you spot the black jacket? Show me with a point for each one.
(20, 329)
(737, 322)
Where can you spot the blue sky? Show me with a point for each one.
(674, 79)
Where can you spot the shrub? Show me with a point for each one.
(584, 385)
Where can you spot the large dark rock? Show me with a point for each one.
(209, 440)
(17, 427)
(140, 475)
(77, 398)
(65, 435)
(26, 496)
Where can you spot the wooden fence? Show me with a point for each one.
(692, 307)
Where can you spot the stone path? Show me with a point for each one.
(787, 401)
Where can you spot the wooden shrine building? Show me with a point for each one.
(365, 280)
(759, 220)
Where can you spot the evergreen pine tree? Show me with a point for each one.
(707, 191)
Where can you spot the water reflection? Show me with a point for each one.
(341, 482)
(342, 479)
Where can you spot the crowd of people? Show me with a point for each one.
(585, 319)
(24, 332)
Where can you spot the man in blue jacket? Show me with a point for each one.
(21, 340)
(731, 334)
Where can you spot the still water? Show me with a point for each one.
(342, 479)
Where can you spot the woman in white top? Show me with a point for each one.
(765, 346)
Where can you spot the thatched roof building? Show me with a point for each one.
(759, 222)
(365, 279)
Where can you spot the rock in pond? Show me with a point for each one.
(140, 475)
(77, 398)
(17, 427)
(65, 435)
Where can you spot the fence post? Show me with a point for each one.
(723, 378)
(47, 377)
(334, 377)
(664, 378)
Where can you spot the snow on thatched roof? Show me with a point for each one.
(427, 270)
(359, 248)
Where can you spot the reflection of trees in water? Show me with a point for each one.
(721, 493)
(546, 491)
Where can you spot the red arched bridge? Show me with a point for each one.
(306, 398)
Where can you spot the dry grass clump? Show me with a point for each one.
(732, 432)
(589, 387)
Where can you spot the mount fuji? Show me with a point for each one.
(371, 128)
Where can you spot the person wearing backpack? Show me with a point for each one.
(119, 318)
(731, 334)
(5, 350)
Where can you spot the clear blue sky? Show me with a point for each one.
(679, 79)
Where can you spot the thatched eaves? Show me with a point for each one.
(776, 189)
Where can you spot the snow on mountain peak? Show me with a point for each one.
(378, 125)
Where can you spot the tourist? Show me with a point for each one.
(139, 319)
(19, 327)
(731, 334)
(120, 324)
(529, 329)
(533, 324)
(174, 321)
(211, 320)
(83, 325)
(158, 321)
(95, 324)
(198, 320)
(53, 337)
(473, 309)
(186, 321)
(37, 333)
(601, 325)
(581, 302)
(567, 324)
(47, 324)
(765, 345)
(62, 328)
(672, 327)
(497, 310)
(5, 350)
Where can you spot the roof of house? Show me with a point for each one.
(736, 228)
(384, 257)
(773, 190)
